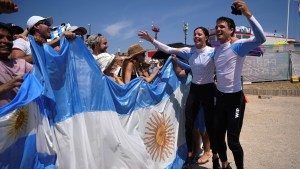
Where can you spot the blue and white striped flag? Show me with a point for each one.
(25, 133)
(86, 120)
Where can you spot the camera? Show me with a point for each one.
(235, 11)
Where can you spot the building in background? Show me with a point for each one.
(243, 32)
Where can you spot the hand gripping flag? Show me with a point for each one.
(86, 120)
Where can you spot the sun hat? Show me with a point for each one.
(135, 50)
(105, 60)
(35, 19)
(74, 28)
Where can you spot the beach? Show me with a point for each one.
(270, 135)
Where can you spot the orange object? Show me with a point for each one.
(247, 99)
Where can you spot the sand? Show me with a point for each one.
(270, 135)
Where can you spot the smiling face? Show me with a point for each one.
(6, 43)
(200, 38)
(225, 29)
(223, 32)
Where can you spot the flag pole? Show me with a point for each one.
(287, 22)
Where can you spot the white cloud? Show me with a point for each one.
(116, 28)
(129, 34)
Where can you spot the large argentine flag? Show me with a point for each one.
(89, 121)
(26, 139)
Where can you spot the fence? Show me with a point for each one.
(279, 62)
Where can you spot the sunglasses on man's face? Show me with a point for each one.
(45, 22)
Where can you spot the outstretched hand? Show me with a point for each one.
(21, 36)
(145, 35)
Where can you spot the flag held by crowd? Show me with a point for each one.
(68, 115)
(26, 137)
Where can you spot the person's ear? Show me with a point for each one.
(36, 27)
(231, 30)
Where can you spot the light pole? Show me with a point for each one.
(185, 29)
(288, 18)
(90, 29)
(287, 22)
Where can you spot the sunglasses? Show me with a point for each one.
(45, 22)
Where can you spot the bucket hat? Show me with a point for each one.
(105, 60)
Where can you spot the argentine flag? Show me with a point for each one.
(26, 139)
(79, 118)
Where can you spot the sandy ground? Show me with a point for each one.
(277, 85)
(270, 135)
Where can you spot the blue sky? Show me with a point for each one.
(120, 20)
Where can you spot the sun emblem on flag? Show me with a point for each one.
(159, 138)
(18, 122)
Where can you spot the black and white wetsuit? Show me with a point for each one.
(202, 89)
(230, 101)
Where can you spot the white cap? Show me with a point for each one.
(104, 60)
(35, 19)
(74, 28)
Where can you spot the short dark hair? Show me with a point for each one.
(229, 21)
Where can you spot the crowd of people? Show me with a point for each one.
(216, 75)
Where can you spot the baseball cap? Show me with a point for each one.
(35, 19)
(15, 28)
(74, 28)
(7, 27)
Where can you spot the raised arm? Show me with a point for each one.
(243, 46)
(154, 74)
(67, 34)
(256, 27)
(183, 52)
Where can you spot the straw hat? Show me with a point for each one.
(135, 50)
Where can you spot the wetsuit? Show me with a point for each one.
(202, 89)
(230, 100)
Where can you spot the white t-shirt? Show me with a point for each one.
(229, 59)
(23, 45)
